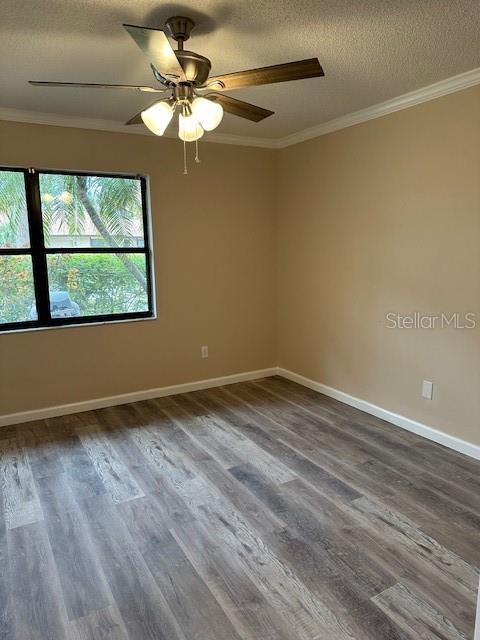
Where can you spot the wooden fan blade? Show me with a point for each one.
(155, 45)
(240, 108)
(268, 75)
(94, 85)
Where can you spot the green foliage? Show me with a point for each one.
(72, 205)
(116, 201)
(98, 283)
(16, 288)
(13, 210)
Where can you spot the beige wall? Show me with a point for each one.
(214, 269)
(381, 217)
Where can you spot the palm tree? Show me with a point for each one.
(71, 204)
(13, 210)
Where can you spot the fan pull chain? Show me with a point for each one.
(185, 169)
(197, 157)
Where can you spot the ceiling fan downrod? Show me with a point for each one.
(180, 28)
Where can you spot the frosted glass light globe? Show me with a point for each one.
(157, 117)
(189, 128)
(208, 113)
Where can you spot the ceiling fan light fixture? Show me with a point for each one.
(208, 113)
(157, 117)
(189, 129)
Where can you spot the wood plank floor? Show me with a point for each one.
(256, 511)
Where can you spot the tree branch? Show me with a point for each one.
(84, 198)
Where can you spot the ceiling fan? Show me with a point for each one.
(185, 84)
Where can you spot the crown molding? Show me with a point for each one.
(61, 120)
(405, 101)
(77, 122)
(244, 141)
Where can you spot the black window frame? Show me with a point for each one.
(39, 252)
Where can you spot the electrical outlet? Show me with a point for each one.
(427, 389)
(204, 351)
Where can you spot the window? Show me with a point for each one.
(74, 248)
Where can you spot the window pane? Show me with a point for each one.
(13, 210)
(96, 284)
(17, 296)
(91, 211)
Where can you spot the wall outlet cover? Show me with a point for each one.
(427, 389)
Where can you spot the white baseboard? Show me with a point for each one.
(423, 430)
(462, 446)
(135, 396)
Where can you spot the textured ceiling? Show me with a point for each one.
(371, 50)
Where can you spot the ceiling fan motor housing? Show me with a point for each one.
(196, 67)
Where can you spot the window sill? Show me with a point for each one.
(75, 326)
